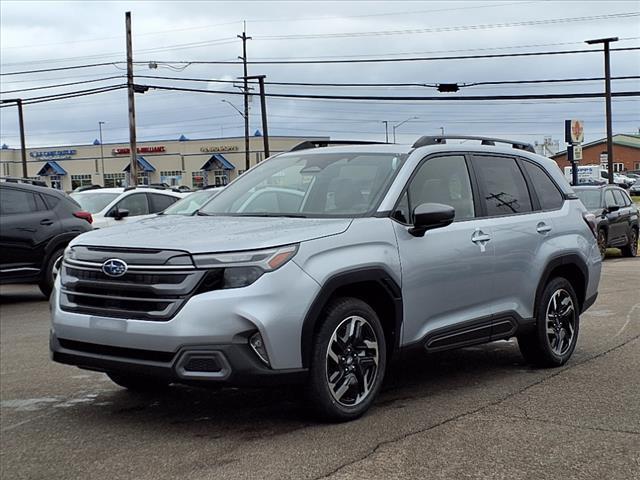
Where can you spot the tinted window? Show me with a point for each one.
(443, 180)
(620, 200)
(548, 194)
(609, 200)
(504, 189)
(94, 202)
(51, 201)
(40, 202)
(160, 202)
(136, 204)
(17, 201)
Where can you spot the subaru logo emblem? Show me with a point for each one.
(114, 267)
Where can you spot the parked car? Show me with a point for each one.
(386, 248)
(635, 189)
(616, 218)
(84, 188)
(190, 204)
(115, 206)
(36, 225)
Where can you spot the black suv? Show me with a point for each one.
(36, 224)
(616, 217)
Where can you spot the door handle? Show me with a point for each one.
(543, 228)
(46, 221)
(480, 238)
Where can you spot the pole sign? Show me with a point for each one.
(577, 152)
(573, 131)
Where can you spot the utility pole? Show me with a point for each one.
(23, 148)
(263, 109)
(100, 123)
(386, 131)
(133, 168)
(607, 88)
(246, 96)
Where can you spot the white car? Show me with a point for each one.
(116, 206)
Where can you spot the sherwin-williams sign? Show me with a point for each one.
(127, 150)
(53, 154)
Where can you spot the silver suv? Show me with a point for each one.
(320, 265)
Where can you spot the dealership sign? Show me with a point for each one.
(220, 148)
(53, 154)
(127, 150)
(574, 131)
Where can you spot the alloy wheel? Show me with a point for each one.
(561, 321)
(602, 243)
(352, 361)
(633, 243)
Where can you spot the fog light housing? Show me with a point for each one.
(257, 344)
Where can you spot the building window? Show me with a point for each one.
(240, 172)
(80, 180)
(171, 177)
(114, 179)
(259, 157)
(143, 178)
(198, 179)
(637, 167)
(220, 177)
(618, 167)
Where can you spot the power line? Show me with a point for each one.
(44, 87)
(547, 96)
(57, 69)
(63, 96)
(450, 28)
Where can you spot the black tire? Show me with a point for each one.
(138, 383)
(356, 366)
(547, 346)
(50, 271)
(631, 249)
(602, 243)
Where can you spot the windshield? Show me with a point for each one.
(590, 198)
(192, 202)
(316, 185)
(94, 202)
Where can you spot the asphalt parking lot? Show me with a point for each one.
(473, 413)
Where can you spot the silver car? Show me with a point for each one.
(321, 265)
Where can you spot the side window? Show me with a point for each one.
(160, 202)
(504, 189)
(609, 200)
(13, 202)
(40, 203)
(548, 194)
(443, 180)
(136, 204)
(619, 196)
(402, 213)
(627, 199)
(51, 201)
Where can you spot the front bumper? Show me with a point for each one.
(233, 364)
(217, 321)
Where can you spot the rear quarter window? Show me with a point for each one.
(548, 194)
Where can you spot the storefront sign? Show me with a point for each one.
(574, 131)
(53, 154)
(220, 148)
(127, 150)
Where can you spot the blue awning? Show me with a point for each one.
(216, 162)
(51, 168)
(143, 165)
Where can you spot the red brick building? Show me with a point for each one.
(626, 153)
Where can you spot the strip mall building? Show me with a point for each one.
(194, 163)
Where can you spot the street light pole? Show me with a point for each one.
(607, 87)
(400, 124)
(100, 123)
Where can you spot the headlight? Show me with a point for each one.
(240, 269)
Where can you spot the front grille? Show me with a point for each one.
(203, 364)
(150, 292)
(133, 353)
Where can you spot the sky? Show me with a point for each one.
(50, 34)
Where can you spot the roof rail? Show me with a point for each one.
(442, 139)
(38, 183)
(307, 144)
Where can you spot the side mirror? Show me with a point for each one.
(120, 213)
(428, 216)
(612, 208)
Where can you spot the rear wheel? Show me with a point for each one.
(51, 270)
(602, 243)
(557, 324)
(138, 383)
(348, 360)
(631, 249)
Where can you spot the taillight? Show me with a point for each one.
(84, 215)
(590, 220)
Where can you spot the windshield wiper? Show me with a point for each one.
(273, 215)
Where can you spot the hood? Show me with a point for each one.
(213, 234)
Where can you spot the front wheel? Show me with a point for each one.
(557, 324)
(631, 249)
(348, 360)
(602, 243)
